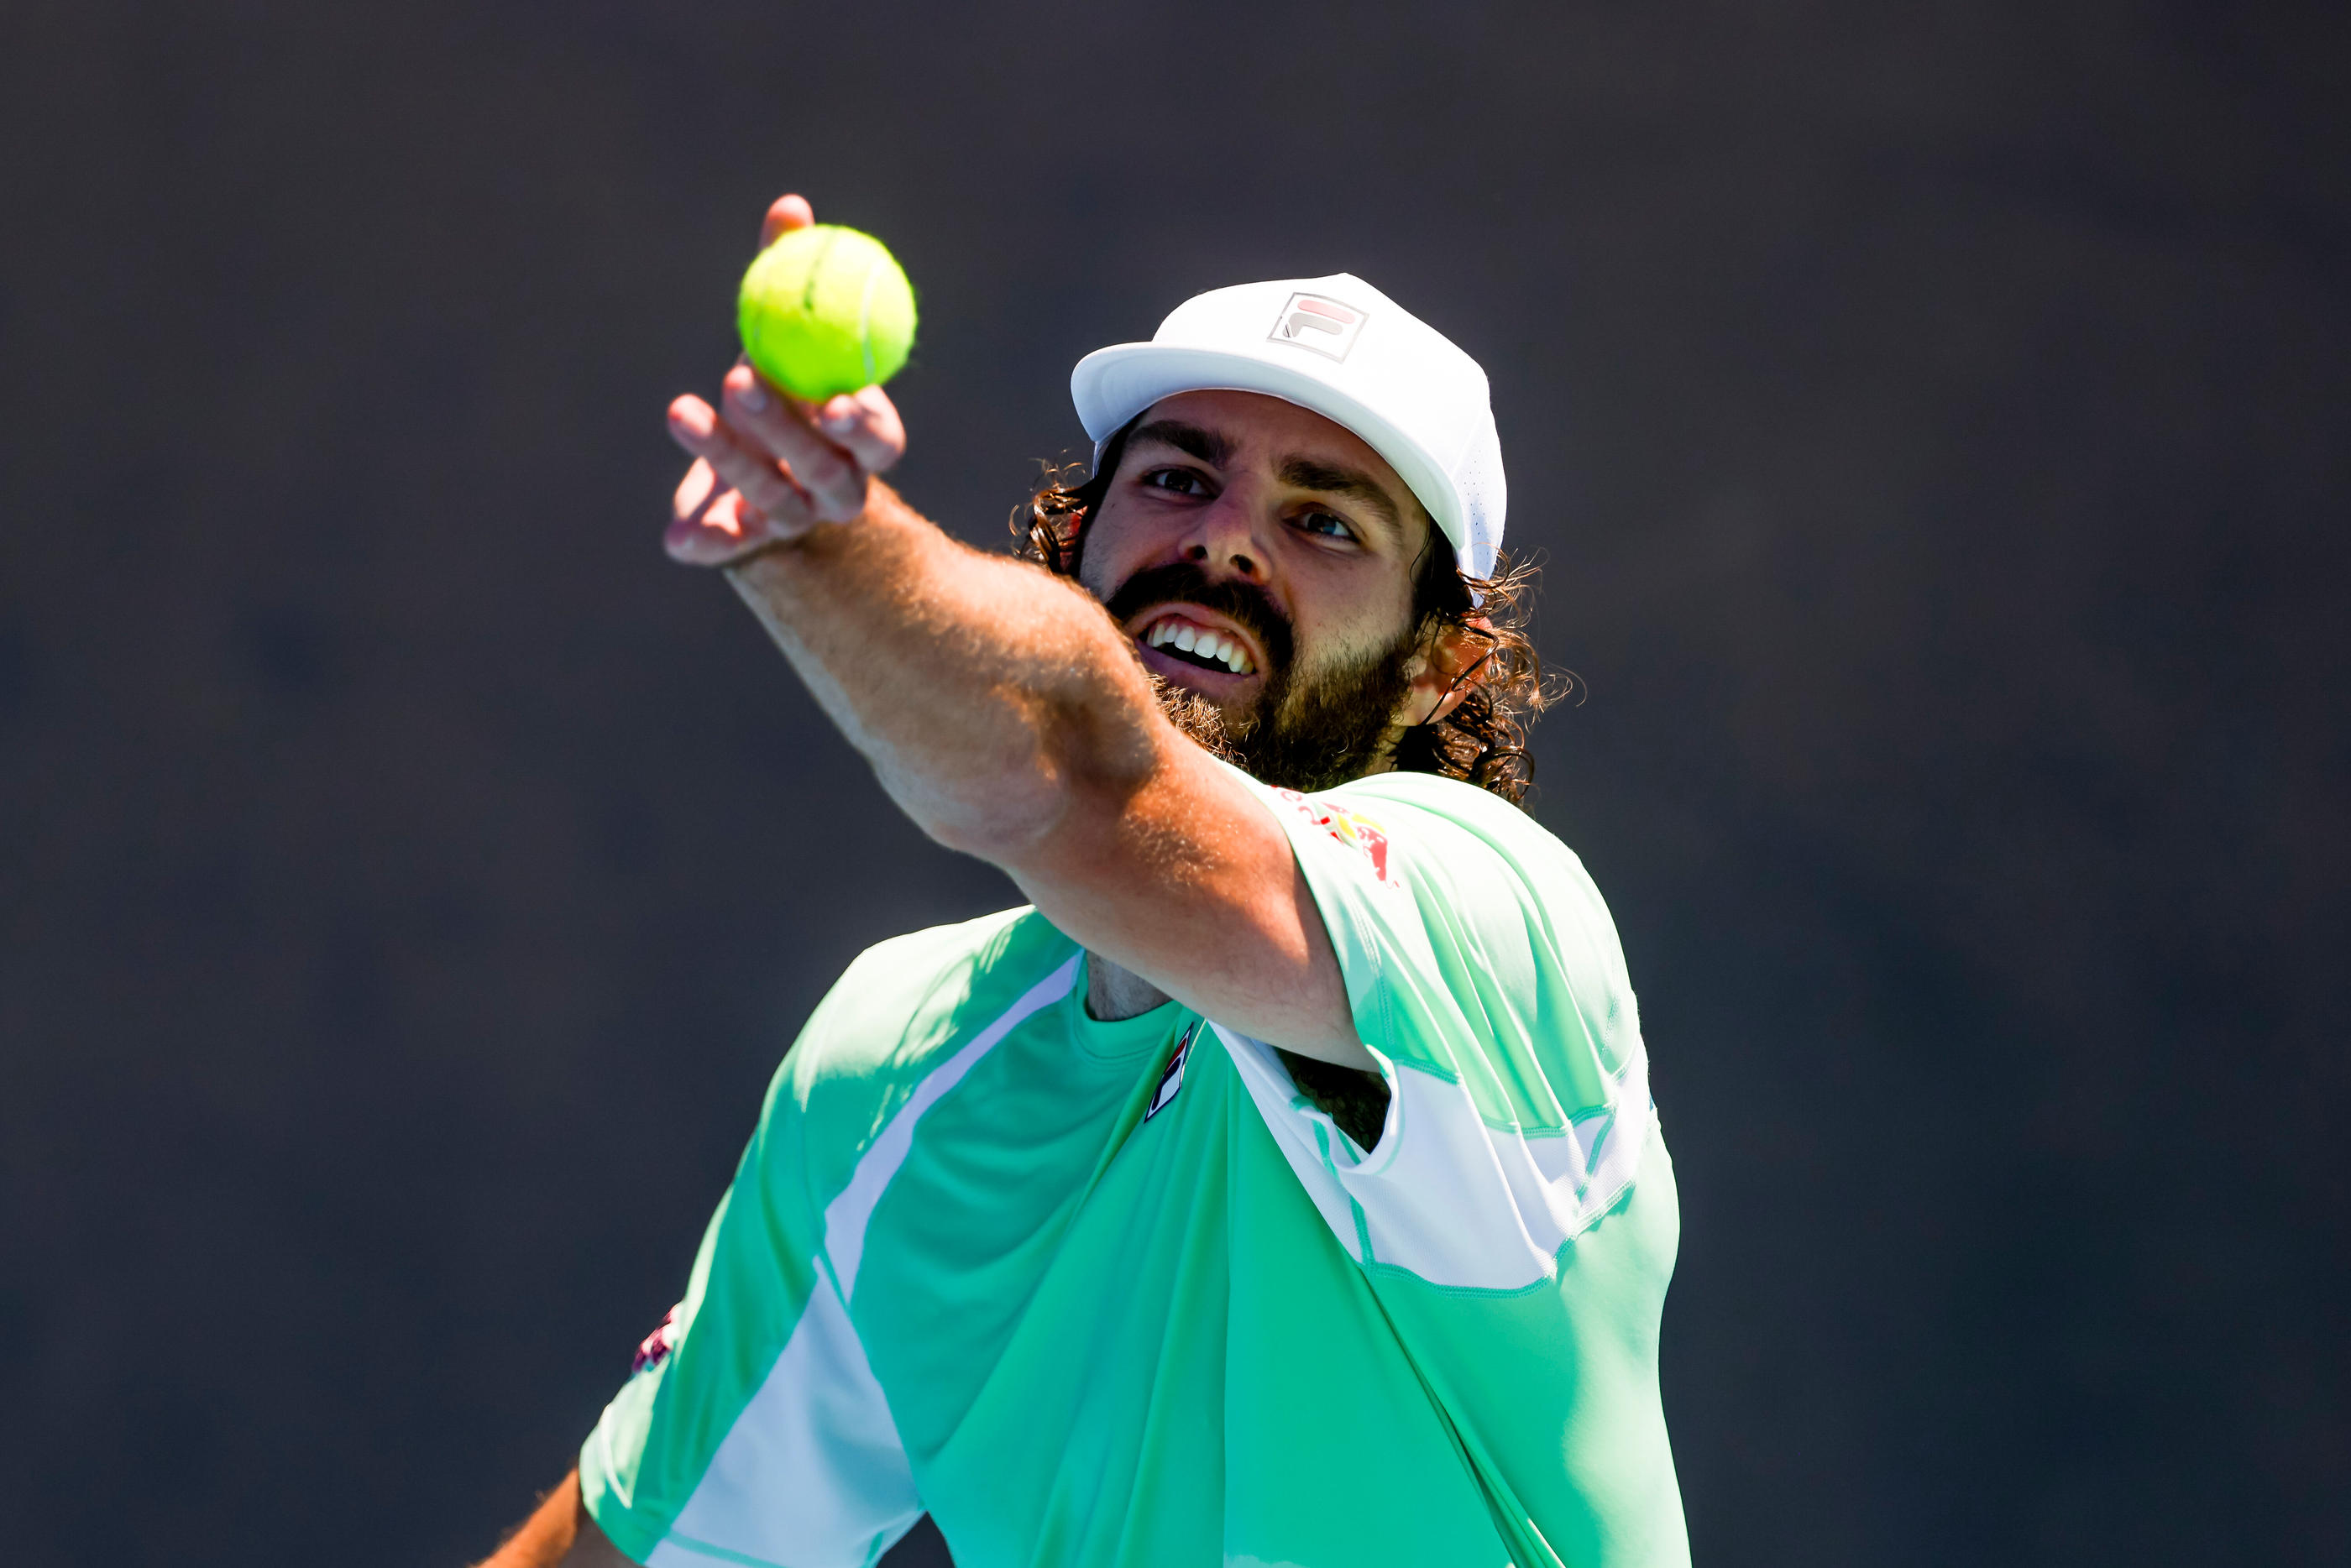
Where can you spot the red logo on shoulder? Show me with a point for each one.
(1352, 828)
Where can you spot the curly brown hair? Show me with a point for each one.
(1483, 741)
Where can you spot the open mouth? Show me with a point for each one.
(1187, 641)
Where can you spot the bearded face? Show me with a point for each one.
(1264, 562)
(1306, 727)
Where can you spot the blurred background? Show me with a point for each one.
(1933, 424)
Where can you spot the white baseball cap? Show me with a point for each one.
(1341, 347)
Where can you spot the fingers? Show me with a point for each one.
(696, 427)
(710, 522)
(731, 530)
(832, 481)
(866, 424)
(773, 467)
(695, 492)
(785, 214)
(712, 527)
(725, 532)
(728, 531)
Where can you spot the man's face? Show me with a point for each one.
(1281, 548)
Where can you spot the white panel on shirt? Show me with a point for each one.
(847, 1216)
(812, 1475)
(1444, 1195)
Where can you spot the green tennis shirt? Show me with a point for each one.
(1118, 1294)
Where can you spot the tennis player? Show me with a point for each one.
(1282, 1185)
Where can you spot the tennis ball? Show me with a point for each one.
(826, 310)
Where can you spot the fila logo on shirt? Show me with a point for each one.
(1172, 1079)
(1318, 322)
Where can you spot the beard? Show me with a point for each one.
(1306, 730)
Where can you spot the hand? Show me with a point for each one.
(770, 468)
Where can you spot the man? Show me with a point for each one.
(1283, 1187)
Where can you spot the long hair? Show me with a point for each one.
(1483, 741)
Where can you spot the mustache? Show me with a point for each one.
(1247, 604)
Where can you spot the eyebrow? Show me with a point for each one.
(1191, 440)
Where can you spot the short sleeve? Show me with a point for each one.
(1483, 971)
(752, 1430)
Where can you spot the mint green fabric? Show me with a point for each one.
(992, 1258)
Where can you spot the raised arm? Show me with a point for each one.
(1005, 713)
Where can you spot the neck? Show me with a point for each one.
(1112, 993)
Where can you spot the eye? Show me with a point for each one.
(1181, 481)
(1328, 525)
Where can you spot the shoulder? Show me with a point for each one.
(897, 1020)
(1452, 847)
(902, 1002)
(1484, 972)
(1450, 811)
(1432, 887)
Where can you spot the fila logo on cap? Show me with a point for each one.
(1317, 321)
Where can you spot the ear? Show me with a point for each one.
(1442, 672)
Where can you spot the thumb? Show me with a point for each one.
(785, 214)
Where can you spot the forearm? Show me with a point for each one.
(558, 1534)
(986, 693)
(1006, 715)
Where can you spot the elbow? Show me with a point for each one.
(1011, 807)
(1001, 837)
(1021, 818)
(996, 816)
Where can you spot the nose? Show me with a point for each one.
(1225, 539)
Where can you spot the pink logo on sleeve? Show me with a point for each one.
(1352, 828)
(657, 1344)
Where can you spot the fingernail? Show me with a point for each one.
(752, 397)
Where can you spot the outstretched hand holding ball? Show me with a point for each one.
(825, 314)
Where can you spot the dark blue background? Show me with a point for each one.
(1934, 426)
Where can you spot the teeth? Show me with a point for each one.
(1220, 646)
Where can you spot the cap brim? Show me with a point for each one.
(1110, 386)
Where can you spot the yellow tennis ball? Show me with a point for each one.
(826, 310)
